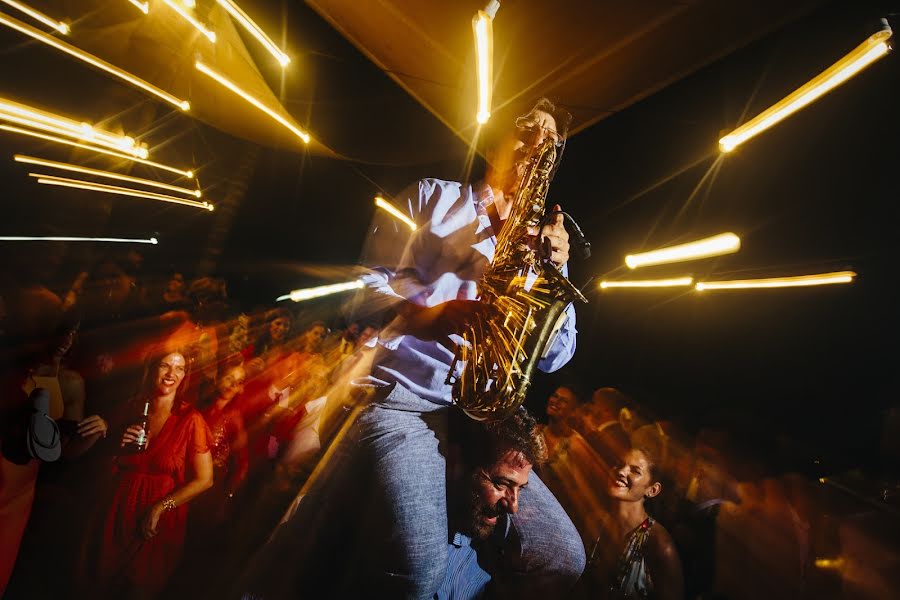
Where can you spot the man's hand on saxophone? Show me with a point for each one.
(554, 235)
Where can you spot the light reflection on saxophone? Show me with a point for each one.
(505, 341)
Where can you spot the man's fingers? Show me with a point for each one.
(558, 219)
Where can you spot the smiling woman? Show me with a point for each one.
(140, 540)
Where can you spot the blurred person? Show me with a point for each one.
(173, 297)
(275, 334)
(35, 313)
(396, 442)
(602, 425)
(709, 487)
(140, 540)
(341, 344)
(210, 531)
(572, 468)
(637, 558)
(114, 331)
(228, 443)
(58, 512)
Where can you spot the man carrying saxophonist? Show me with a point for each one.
(393, 456)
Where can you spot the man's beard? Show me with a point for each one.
(480, 529)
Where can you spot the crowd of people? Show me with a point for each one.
(137, 426)
(158, 443)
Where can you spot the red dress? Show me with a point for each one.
(126, 558)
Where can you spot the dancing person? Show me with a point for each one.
(142, 534)
(644, 563)
(398, 439)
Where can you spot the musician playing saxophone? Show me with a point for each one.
(403, 434)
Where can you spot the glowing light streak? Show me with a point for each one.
(874, 48)
(247, 23)
(22, 158)
(144, 7)
(180, 9)
(231, 86)
(830, 563)
(322, 290)
(778, 282)
(93, 60)
(39, 119)
(717, 245)
(58, 140)
(482, 25)
(117, 190)
(648, 283)
(393, 211)
(61, 27)
(59, 238)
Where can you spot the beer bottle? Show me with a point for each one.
(140, 444)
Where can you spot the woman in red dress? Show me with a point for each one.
(144, 527)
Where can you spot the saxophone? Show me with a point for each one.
(504, 343)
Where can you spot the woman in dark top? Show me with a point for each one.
(636, 557)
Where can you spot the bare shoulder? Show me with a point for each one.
(661, 541)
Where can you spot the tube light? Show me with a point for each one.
(231, 86)
(59, 140)
(648, 283)
(778, 282)
(22, 158)
(482, 25)
(39, 119)
(177, 7)
(92, 60)
(247, 23)
(59, 238)
(390, 208)
(144, 7)
(322, 290)
(869, 51)
(61, 27)
(717, 245)
(114, 189)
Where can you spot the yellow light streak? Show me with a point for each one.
(390, 208)
(61, 27)
(482, 25)
(114, 189)
(59, 140)
(717, 245)
(60, 238)
(830, 563)
(39, 119)
(648, 283)
(231, 86)
(322, 290)
(859, 58)
(179, 8)
(778, 282)
(144, 7)
(22, 158)
(247, 23)
(190, 3)
(93, 60)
